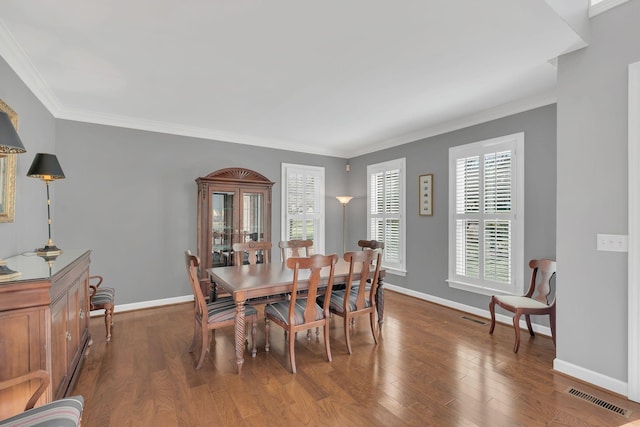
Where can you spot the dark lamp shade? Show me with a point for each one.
(9, 140)
(45, 166)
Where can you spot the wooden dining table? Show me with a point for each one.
(254, 284)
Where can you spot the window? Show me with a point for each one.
(303, 204)
(486, 215)
(386, 213)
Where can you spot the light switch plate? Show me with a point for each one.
(612, 242)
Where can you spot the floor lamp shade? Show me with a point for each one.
(46, 167)
(9, 140)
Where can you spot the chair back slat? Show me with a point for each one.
(254, 250)
(315, 264)
(543, 272)
(295, 248)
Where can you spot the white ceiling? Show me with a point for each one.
(337, 77)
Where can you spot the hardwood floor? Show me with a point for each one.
(432, 367)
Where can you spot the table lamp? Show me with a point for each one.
(46, 167)
(9, 144)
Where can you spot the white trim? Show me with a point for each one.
(144, 304)
(500, 318)
(633, 254)
(591, 377)
(603, 6)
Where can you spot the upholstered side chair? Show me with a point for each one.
(102, 298)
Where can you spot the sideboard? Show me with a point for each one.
(44, 324)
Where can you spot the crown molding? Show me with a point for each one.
(603, 6)
(17, 59)
(484, 116)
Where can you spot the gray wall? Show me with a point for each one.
(130, 196)
(427, 237)
(36, 128)
(592, 193)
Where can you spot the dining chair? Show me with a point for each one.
(62, 412)
(356, 299)
(251, 252)
(295, 248)
(102, 299)
(302, 313)
(534, 302)
(214, 315)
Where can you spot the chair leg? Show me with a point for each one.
(266, 334)
(196, 335)
(372, 320)
(292, 354)
(552, 325)
(205, 346)
(254, 334)
(492, 310)
(108, 319)
(347, 336)
(528, 319)
(516, 326)
(327, 343)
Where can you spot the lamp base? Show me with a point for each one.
(49, 250)
(6, 273)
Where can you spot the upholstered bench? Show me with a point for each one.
(65, 412)
(103, 299)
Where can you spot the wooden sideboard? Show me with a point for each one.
(44, 324)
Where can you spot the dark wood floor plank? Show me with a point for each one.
(431, 367)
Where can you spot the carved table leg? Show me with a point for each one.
(240, 334)
(380, 303)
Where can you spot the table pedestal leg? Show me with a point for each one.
(240, 334)
(380, 303)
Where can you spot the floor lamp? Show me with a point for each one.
(344, 200)
(9, 144)
(46, 167)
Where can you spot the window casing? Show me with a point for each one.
(486, 216)
(303, 204)
(386, 211)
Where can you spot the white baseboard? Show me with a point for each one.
(145, 304)
(591, 377)
(501, 318)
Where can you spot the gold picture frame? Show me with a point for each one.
(8, 164)
(425, 194)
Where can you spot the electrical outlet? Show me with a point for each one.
(612, 242)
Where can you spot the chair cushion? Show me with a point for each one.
(104, 296)
(521, 302)
(337, 301)
(60, 413)
(221, 311)
(280, 310)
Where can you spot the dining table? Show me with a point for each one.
(256, 284)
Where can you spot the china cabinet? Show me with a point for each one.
(234, 205)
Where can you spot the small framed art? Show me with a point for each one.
(425, 190)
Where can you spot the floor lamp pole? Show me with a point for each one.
(344, 200)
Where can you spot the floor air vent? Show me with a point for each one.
(471, 319)
(599, 402)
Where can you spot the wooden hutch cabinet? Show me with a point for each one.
(234, 205)
(44, 324)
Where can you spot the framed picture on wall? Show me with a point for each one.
(425, 191)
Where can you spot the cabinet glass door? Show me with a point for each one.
(252, 216)
(222, 227)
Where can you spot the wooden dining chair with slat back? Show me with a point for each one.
(302, 313)
(214, 315)
(359, 297)
(534, 302)
(251, 252)
(102, 298)
(295, 248)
